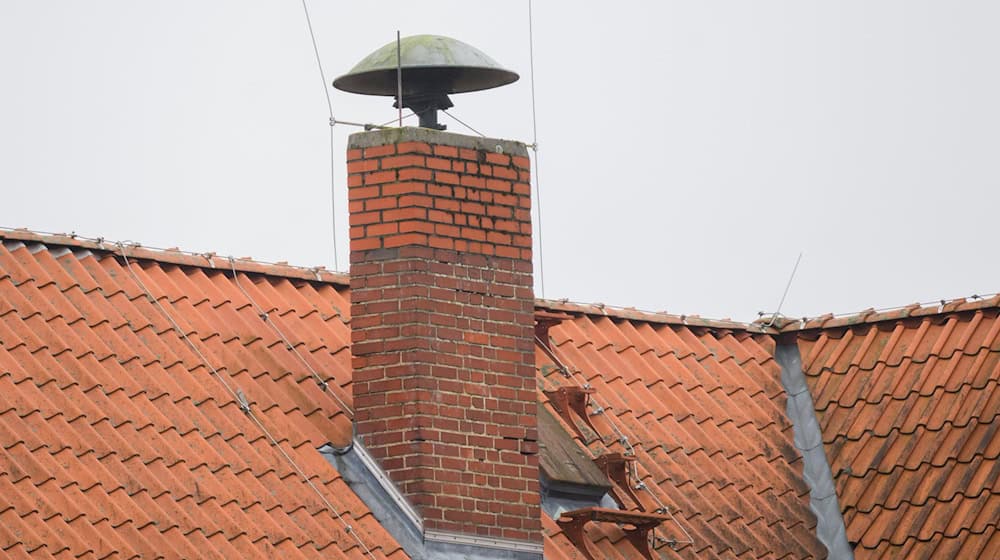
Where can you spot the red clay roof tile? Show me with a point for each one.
(149, 453)
(675, 391)
(111, 425)
(909, 411)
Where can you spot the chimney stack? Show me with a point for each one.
(442, 331)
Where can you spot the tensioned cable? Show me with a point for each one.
(240, 401)
(622, 439)
(463, 123)
(387, 123)
(333, 121)
(785, 293)
(263, 314)
(534, 148)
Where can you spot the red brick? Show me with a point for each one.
(379, 177)
(444, 335)
(396, 189)
(440, 217)
(409, 160)
(404, 239)
(362, 165)
(416, 200)
(446, 151)
(399, 214)
(498, 238)
(501, 172)
(413, 148)
(439, 164)
(441, 242)
(499, 211)
(378, 151)
(379, 203)
(447, 178)
(364, 218)
(472, 208)
(358, 193)
(499, 185)
(420, 226)
(447, 204)
(381, 229)
(415, 173)
(447, 230)
(498, 159)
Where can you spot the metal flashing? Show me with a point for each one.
(367, 479)
(383, 479)
(445, 545)
(363, 475)
(808, 437)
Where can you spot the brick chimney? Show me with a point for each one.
(442, 329)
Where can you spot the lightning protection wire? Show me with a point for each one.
(265, 316)
(387, 123)
(785, 293)
(239, 399)
(622, 438)
(534, 147)
(333, 121)
(463, 123)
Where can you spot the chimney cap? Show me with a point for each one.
(429, 62)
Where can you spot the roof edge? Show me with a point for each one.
(631, 313)
(176, 256)
(212, 261)
(871, 316)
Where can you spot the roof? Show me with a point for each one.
(116, 439)
(703, 409)
(116, 435)
(908, 402)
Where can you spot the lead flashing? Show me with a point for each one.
(395, 513)
(808, 437)
(502, 548)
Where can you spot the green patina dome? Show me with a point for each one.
(430, 63)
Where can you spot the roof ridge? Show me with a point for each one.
(212, 261)
(173, 255)
(618, 312)
(872, 315)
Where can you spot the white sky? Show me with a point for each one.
(689, 151)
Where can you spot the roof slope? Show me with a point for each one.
(908, 403)
(703, 408)
(117, 440)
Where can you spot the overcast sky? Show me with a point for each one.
(688, 150)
